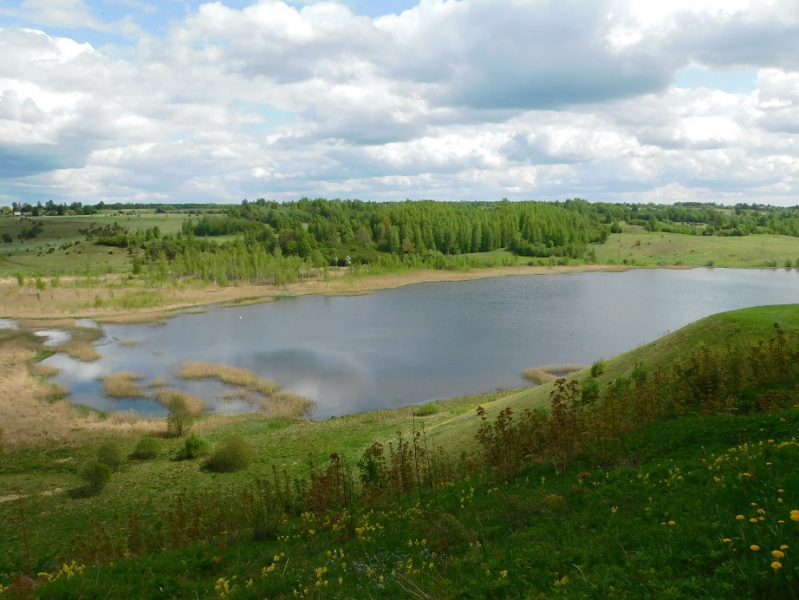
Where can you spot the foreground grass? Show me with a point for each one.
(699, 507)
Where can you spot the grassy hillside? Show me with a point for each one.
(657, 506)
(61, 248)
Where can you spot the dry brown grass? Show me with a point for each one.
(122, 385)
(41, 370)
(79, 350)
(538, 376)
(230, 375)
(547, 373)
(31, 411)
(195, 405)
(124, 417)
(158, 382)
(245, 395)
(286, 405)
(128, 342)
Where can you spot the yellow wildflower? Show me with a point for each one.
(776, 565)
(754, 547)
(778, 554)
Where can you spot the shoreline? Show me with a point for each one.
(38, 311)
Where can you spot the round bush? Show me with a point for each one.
(195, 446)
(96, 475)
(147, 448)
(233, 455)
(110, 454)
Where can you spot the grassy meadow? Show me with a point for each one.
(696, 500)
(61, 248)
(638, 246)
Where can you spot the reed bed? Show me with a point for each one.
(245, 395)
(230, 375)
(128, 342)
(124, 417)
(195, 405)
(122, 385)
(158, 382)
(286, 405)
(44, 370)
(79, 350)
(546, 373)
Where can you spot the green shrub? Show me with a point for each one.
(147, 448)
(96, 475)
(195, 446)
(110, 454)
(590, 391)
(233, 455)
(640, 373)
(598, 368)
(425, 410)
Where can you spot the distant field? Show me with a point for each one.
(664, 249)
(32, 257)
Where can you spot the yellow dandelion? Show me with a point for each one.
(783, 546)
(753, 520)
(754, 547)
(672, 523)
(726, 540)
(795, 516)
(740, 517)
(776, 565)
(778, 554)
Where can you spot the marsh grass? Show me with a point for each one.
(122, 385)
(79, 350)
(285, 404)
(230, 375)
(548, 373)
(128, 342)
(79, 346)
(41, 370)
(158, 382)
(124, 417)
(275, 402)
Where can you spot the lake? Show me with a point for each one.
(421, 342)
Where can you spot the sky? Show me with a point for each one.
(608, 100)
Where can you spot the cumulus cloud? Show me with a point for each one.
(466, 99)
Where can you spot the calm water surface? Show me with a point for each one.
(422, 342)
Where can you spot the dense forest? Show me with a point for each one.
(268, 241)
(281, 242)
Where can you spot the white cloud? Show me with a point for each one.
(467, 99)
